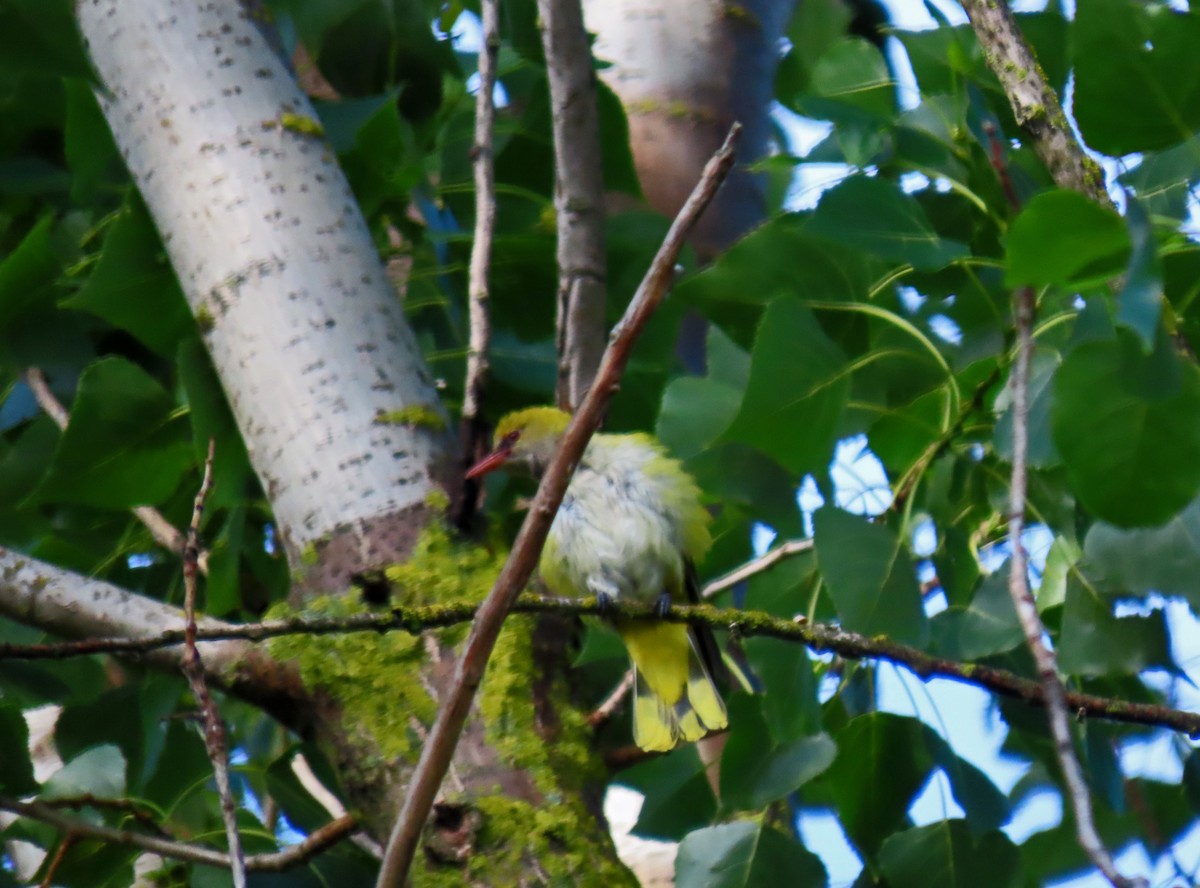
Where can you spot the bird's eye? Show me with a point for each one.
(511, 438)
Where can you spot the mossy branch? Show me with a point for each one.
(1034, 102)
(818, 636)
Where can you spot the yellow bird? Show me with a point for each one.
(630, 528)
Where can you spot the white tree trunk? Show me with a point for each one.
(685, 70)
(306, 332)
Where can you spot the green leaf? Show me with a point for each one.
(16, 768)
(1136, 562)
(855, 72)
(616, 159)
(41, 36)
(678, 795)
(88, 142)
(1062, 237)
(988, 625)
(881, 763)
(1140, 302)
(780, 256)
(1128, 428)
(986, 806)
(125, 445)
(789, 700)
(745, 855)
(744, 478)
(1093, 642)
(755, 770)
(98, 771)
(133, 286)
(27, 272)
(1163, 180)
(1137, 75)
(875, 216)
(870, 577)
(211, 417)
(791, 408)
(945, 855)
(696, 410)
(1041, 453)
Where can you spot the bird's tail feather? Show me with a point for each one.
(697, 708)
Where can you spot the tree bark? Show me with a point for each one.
(684, 71)
(340, 416)
(308, 337)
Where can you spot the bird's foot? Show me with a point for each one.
(604, 603)
(662, 605)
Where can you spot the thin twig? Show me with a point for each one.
(1057, 708)
(756, 566)
(214, 728)
(64, 846)
(437, 752)
(1035, 104)
(578, 198)
(139, 811)
(749, 623)
(162, 530)
(276, 862)
(605, 710)
(473, 431)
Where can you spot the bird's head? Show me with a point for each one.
(525, 439)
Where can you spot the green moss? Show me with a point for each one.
(302, 124)
(205, 320)
(310, 555)
(512, 834)
(505, 700)
(738, 13)
(442, 569)
(419, 416)
(375, 678)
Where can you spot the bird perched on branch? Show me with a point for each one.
(630, 528)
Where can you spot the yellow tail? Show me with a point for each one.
(674, 696)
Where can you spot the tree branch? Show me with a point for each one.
(438, 749)
(485, 212)
(818, 636)
(70, 605)
(578, 198)
(1034, 103)
(472, 430)
(756, 566)
(1054, 694)
(193, 670)
(317, 841)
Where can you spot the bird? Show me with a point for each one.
(631, 527)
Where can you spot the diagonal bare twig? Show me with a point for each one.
(163, 531)
(438, 750)
(214, 729)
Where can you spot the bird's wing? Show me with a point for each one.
(706, 641)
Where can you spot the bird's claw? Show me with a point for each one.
(604, 603)
(662, 605)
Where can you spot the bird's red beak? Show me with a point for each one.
(491, 462)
